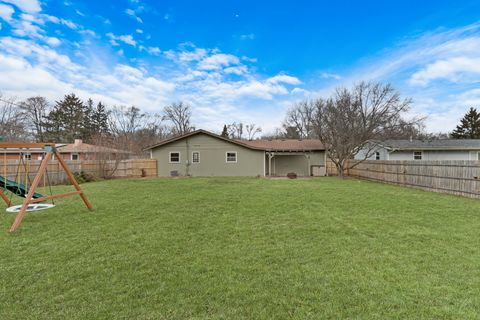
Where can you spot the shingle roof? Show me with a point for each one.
(287, 144)
(444, 144)
(264, 145)
(87, 148)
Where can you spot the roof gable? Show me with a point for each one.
(196, 132)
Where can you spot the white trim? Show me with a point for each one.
(478, 156)
(74, 153)
(193, 162)
(421, 155)
(151, 153)
(170, 157)
(264, 160)
(226, 157)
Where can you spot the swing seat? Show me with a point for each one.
(31, 207)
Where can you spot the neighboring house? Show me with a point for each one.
(202, 153)
(74, 151)
(84, 151)
(448, 149)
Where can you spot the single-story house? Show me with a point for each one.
(202, 153)
(445, 149)
(78, 150)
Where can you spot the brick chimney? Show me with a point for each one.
(77, 142)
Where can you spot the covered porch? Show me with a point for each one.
(302, 163)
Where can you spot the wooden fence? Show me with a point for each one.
(454, 177)
(23, 171)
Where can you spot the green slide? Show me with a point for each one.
(16, 188)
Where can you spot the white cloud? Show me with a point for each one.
(127, 39)
(203, 77)
(53, 41)
(134, 15)
(330, 75)
(453, 69)
(435, 69)
(217, 61)
(285, 79)
(250, 36)
(139, 31)
(154, 51)
(30, 6)
(6, 12)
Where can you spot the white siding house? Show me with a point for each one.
(447, 149)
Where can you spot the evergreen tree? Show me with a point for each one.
(469, 127)
(67, 120)
(100, 119)
(224, 131)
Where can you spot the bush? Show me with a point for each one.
(83, 177)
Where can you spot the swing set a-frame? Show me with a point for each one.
(34, 201)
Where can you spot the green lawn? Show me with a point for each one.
(223, 248)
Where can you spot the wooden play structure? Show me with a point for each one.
(22, 186)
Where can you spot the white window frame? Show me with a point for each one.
(193, 152)
(226, 157)
(27, 156)
(170, 157)
(377, 155)
(414, 155)
(72, 154)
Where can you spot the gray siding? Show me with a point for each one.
(435, 155)
(383, 154)
(212, 158)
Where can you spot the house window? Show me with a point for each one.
(27, 156)
(417, 155)
(195, 157)
(174, 157)
(377, 155)
(74, 156)
(232, 157)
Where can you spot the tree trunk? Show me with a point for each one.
(340, 171)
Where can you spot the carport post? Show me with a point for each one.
(270, 156)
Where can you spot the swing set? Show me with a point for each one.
(21, 186)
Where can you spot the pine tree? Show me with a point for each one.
(100, 119)
(469, 127)
(224, 131)
(68, 120)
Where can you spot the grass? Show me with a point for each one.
(223, 248)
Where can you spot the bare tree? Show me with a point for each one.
(109, 152)
(351, 119)
(179, 114)
(13, 126)
(132, 130)
(252, 130)
(299, 120)
(124, 122)
(235, 130)
(35, 110)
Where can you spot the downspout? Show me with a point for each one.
(187, 161)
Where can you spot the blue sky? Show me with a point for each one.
(242, 60)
